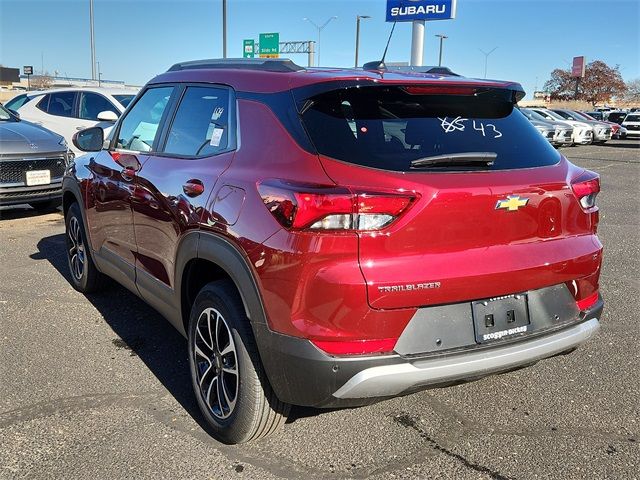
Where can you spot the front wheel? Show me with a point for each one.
(229, 381)
(85, 277)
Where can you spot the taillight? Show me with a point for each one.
(586, 187)
(316, 207)
(356, 347)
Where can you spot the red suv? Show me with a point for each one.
(334, 237)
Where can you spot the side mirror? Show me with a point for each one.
(14, 113)
(89, 140)
(107, 116)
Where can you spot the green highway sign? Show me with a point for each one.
(269, 45)
(248, 48)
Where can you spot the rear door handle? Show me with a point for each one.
(192, 188)
(80, 128)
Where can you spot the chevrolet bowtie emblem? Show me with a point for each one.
(512, 203)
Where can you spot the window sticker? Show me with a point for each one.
(216, 137)
(145, 131)
(217, 113)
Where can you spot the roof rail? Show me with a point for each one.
(261, 64)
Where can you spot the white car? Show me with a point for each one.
(632, 123)
(69, 110)
(582, 131)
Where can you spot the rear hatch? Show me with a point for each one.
(492, 209)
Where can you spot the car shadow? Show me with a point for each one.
(145, 333)
(24, 211)
(628, 143)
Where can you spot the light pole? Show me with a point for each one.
(93, 43)
(224, 28)
(320, 28)
(99, 75)
(441, 37)
(417, 43)
(486, 59)
(358, 18)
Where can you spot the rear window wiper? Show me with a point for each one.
(476, 159)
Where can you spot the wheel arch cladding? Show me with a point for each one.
(210, 258)
(71, 194)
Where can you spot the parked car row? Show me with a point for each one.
(629, 121)
(564, 127)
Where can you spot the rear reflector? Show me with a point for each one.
(316, 207)
(587, 303)
(358, 347)
(586, 187)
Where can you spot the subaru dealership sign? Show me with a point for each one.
(410, 10)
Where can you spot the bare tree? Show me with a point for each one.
(632, 95)
(600, 84)
(41, 82)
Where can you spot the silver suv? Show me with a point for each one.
(32, 163)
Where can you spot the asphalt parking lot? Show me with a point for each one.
(97, 387)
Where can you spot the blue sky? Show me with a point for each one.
(136, 39)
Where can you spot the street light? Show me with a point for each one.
(486, 59)
(320, 28)
(441, 37)
(358, 18)
(224, 28)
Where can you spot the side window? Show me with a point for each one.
(201, 124)
(139, 128)
(43, 104)
(59, 104)
(91, 104)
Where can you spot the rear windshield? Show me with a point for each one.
(389, 128)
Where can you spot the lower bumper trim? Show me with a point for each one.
(390, 380)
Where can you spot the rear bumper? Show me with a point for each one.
(301, 374)
(393, 380)
(18, 195)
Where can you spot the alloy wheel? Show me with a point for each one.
(216, 363)
(77, 259)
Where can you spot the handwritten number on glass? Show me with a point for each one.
(498, 134)
(457, 125)
(452, 126)
(481, 129)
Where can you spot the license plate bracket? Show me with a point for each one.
(501, 318)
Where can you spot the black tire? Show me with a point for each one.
(46, 205)
(85, 277)
(255, 412)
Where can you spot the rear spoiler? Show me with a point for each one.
(507, 91)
